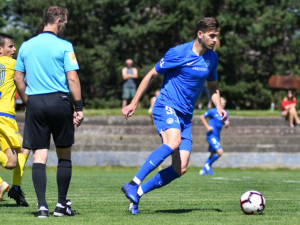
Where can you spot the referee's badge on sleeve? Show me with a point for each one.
(72, 58)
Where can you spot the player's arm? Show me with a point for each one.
(130, 109)
(203, 120)
(227, 123)
(75, 89)
(216, 99)
(21, 85)
(124, 74)
(135, 73)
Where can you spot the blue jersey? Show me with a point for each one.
(215, 121)
(184, 76)
(45, 59)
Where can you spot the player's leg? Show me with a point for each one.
(132, 92)
(9, 142)
(39, 177)
(3, 188)
(171, 136)
(293, 116)
(167, 124)
(125, 96)
(212, 158)
(63, 178)
(180, 160)
(37, 138)
(171, 141)
(62, 129)
(16, 192)
(216, 151)
(215, 156)
(9, 158)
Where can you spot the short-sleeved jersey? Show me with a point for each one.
(215, 121)
(45, 59)
(7, 86)
(184, 76)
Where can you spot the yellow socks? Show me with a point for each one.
(3, 159)
(19, 170)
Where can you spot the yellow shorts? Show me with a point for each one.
(10, 136)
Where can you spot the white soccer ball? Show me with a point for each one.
(252, 202)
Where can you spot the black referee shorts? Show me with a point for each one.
(48, 114)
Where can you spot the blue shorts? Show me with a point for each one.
(213, 142)
(166, 117)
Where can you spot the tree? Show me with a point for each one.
(258, 39)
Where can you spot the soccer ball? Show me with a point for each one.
(252, 202)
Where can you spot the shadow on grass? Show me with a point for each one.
(180, 211)
(10, 205)
(35, 213)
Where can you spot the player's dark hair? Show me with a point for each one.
(53, 13)
(4, 37)
(207, 24)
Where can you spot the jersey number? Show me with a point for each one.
(0, 94)
(170, 110)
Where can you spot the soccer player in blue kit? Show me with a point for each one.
(213, 127)
(185, 68)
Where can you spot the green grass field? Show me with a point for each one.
(193, 199)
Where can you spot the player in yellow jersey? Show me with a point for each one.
(12, 156)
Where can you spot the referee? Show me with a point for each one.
(49, 66)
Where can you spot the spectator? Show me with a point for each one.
(288, 108)
(129, 87)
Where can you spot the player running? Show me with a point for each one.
(185, 68)
(213, 128)
(12, 156)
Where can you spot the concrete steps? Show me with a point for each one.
(248, 142)
(245, 134)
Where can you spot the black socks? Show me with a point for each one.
(39, 179)
(63, 178)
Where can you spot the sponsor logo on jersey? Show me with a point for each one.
(72, 58)
(2, 74)
(199, 69)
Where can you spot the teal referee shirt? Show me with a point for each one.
(45, 59)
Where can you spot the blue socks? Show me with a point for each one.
(153, 161)
(212, 159)
(161, 179)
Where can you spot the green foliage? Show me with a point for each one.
(246, 95)
(258, 39)
(3, 9)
